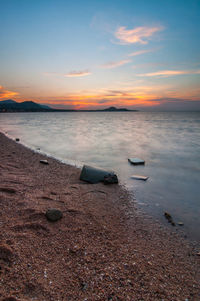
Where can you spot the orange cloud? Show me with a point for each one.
(111, 65)
(170, 72)
(139, 52)
(77, 73)
(132, 95)
(5, 94)
(135, 35)
(105, 98)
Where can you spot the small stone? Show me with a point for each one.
(53, 214)
(44, 162)
(180, 223)
(6, 253)
(136, 161)
(17, 139)
(169, 218)
(138, 177)
(84, 286)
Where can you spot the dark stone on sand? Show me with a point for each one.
(17, 139)
(95, 175)
(169, 218)
(7, 189)
(84, 286)
(6, 253)
(44, 162)
(53, 214)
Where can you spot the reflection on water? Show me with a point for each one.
(168, 142)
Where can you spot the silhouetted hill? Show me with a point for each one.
(26, 106)
(10, 105)
(113, 109)
(8, 101)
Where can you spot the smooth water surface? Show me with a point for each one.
(168, 142)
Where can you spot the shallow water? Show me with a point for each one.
(168, 142)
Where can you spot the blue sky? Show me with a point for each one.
(89, 54)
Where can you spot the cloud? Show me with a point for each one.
(139, 52)
(166, 73)
(70, 74)
(136, 35)
(134, 96)
(5, 94)
(111, 65)
(77, 73)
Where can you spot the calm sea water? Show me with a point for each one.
(168, 142)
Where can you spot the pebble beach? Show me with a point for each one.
(102, 248)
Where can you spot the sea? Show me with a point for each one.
(169, 142)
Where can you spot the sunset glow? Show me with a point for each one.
(135, 35)
(4, 94)
(92, 55)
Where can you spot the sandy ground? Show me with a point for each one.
(102, 248)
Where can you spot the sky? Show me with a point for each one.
(137, 54)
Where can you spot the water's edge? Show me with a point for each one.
(140, 208)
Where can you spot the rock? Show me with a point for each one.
(53, 214)
(44, 162)
(95, 175)
(7, 189)
(169, 218)
(84, 286)
(136, 161)
(6, 253)
(17, 139)
(110, 179)
(180, 223)
(138, 177)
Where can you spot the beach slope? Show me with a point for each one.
(101, 249)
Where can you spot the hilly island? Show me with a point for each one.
(10, 105)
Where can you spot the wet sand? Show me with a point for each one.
(102, 248)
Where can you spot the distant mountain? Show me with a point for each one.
(8, 101)
(26, 106)
(113, 109)
(110, 109)
(10, 105)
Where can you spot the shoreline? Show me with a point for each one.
(160, 219)
(102, 248)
